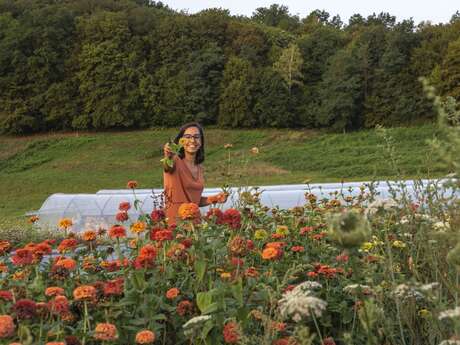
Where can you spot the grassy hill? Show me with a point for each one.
(33, 167)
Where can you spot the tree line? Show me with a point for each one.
(105, 64)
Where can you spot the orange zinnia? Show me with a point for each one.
(67, 263)
(138, 227)
(105, 331)
(271, 253)
(84, 292)
(54, 291)
(145, 337)
(7, 326)
(65, 223)
(189, 211)
(131, 184)
(89, 235)
(172, 293)
(5, 246)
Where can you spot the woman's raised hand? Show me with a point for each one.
(167, 151)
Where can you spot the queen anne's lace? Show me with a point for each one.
(299, 303)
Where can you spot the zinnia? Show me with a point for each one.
(65, 223)
(5, 246)
(105, 331)
(54, 291)
(22, 257)
(25, 309)
(122, 216)
(131, 184)
(138, 227)
(67, 263)
(231, 333)
(89, 235)
(124, 206)
(67, 244)
(145, 337)
(232, 218)
(157, 215)
(7, 326)
(172, 293)
(189, 211)
(117, 231)
(84, 292)
(271, 253)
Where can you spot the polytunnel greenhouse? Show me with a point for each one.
(92, 211)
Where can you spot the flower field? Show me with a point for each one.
(350, 269)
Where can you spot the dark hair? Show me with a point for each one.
(199, 158)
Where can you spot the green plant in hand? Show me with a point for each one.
(174, 150)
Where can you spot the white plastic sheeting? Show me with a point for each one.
(91, 211)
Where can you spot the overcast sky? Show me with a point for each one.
(436, 11)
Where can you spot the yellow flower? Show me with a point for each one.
(132, 243)
(138, 227)
(425, 313)
(182, 141)
(65, 223)
(255, 150)
(260, 234)
(399, 244)
(282, 230)
(19, 275)
(225, 275)
(367, 247)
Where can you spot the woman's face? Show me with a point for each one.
(193, 140)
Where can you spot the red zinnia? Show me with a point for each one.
(216, 214)
(157, 215)
(6, 295)
(25, 309)
(231, 333)
(22, 257)
(124, 206)
(232, 218)
(114, 287)
(122, 216)
(117, 231)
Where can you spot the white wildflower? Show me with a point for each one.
(354, 289)
(429, 287)
(298, 303)
(405, 291)
(193, 326)
(441, 226)
(404, 220)
(450, 342)
(308, 285)
(380, 204)
(449, 313)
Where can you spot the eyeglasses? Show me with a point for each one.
(197, 137)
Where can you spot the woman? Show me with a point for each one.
(184, 181)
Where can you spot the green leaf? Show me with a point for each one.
(200, 269)
(203, 300)
(237, 291)
(210, 308)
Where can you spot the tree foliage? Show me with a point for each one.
(107, 64)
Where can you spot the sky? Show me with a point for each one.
(436, 11)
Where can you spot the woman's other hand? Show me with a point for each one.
(217, 198)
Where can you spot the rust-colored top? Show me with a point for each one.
(181, 187)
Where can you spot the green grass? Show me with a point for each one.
(33, 167)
